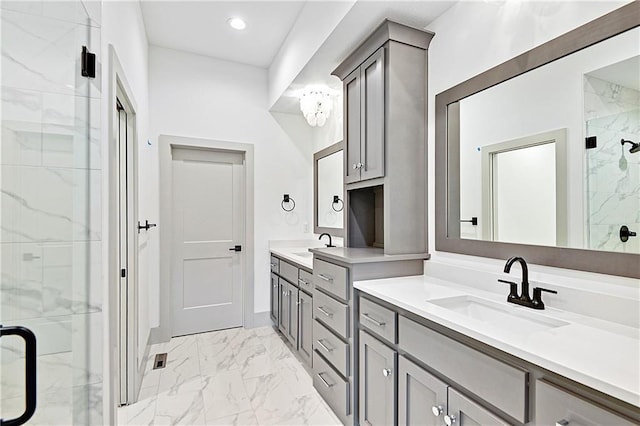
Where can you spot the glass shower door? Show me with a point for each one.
(50, 223)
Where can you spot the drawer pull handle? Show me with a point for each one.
(437, 410)
(376, 322)
(450, 420)
(323, 346)
(386, 372)
(562, 422)
(327, 384)
(324, 277)
(303, 282)
(328, 314)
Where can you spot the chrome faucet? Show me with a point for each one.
(524, 299)
(328, 235)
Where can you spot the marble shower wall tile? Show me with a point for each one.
(86, 341)
(44, 54)
(50, 204)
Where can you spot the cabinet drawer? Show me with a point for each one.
(275, 264)
(305, 280)
(498, 383)
(378, 319)
(331, 347)
(289, 272)
(333, 389)
(330, 277)
(332, 313)
(554, 404)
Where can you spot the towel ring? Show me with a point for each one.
(286, 200)
(336, 200)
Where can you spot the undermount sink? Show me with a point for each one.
(303, 254)
(505, 317)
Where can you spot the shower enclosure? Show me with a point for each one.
(50, 213)
(612, 168)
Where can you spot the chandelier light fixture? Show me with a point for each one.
(316, 105)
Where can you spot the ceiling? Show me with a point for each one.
(201, 27)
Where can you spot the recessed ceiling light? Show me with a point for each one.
(237, 23)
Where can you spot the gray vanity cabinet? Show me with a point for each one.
(275, 299)
(556, 406)
(377, 391)
(289, 311)
(305, 326)
(364, 105)
(284, 307)
(462, 411)
(422, 398)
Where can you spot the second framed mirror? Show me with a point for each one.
(328, 190)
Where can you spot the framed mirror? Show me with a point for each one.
(328, 191)
(539, 156)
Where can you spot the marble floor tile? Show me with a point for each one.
(228, 377)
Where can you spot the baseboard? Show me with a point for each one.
(158, 336)
(261, 319)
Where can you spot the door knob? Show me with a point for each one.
(238, 248)
(437, 410)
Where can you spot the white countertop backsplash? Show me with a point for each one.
(599, 347)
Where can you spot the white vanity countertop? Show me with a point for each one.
(600, 354)
(295, 255)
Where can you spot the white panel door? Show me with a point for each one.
(208, 218)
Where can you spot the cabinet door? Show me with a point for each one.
(284, 307)
(422, 399)
(372, 120)
(275, 299)
(377, 376)
(556, 406)
(352, 111)
(292, 330)
(465, 412)
(305, 326)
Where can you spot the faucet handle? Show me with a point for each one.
(537, 297)
(513, 289)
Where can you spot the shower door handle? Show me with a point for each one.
(30, 373)
(625, 233)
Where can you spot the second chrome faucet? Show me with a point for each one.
(524, 299)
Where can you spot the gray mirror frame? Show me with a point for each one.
(447, 154)
(336, 232)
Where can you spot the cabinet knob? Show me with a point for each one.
(360, 165)
(386, 372)
(355, 166)
(437, 410)
(562, 422)
(450, 420)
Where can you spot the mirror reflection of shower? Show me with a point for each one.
(612, 123)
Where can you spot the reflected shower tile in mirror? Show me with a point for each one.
(86, 341)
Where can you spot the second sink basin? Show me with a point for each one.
(506, 317)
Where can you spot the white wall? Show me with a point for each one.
(314, 24)
(201, 97)
(472, 37)
(122, 27)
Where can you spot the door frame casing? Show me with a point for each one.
(166, 143)
(117, 87)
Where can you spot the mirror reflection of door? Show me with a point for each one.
(524, 190)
